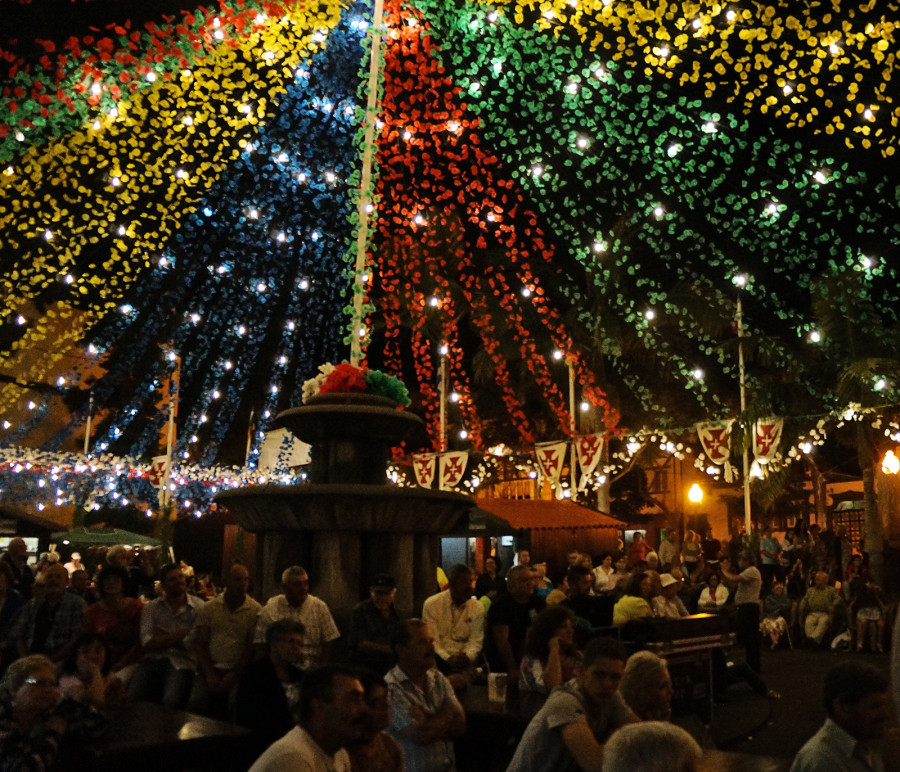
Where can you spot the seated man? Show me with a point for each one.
(456, 620)
(373, 624)
(651, 746)
(168, 635)
(269, 689)
(332, 715)
(225, 627)
(425, 715)
(591, 611)
(817, 608)
(858, 704)
(51, 621)
(667, 604)
(297, 603)
(568, 732)
(508, 621)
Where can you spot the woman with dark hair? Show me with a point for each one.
(714, 596)
(117, 619)
(550, 657)
(377, 751)
(635, 603)
(490, 583)
(85, 674)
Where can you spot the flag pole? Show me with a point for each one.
(359, 291)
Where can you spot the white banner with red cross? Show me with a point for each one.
(550, 456)
(424, 464)
(715, 437)
(452, 467)
(157, 475)
(766, 438)
(589, 449)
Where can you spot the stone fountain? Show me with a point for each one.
(349, 522)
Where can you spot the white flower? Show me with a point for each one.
(312, 386)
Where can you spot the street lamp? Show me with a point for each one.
(890, 464)
(695, 494)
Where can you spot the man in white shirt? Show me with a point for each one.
(425, 715)
(857, 701)
(457, 621)
(225, 628)
(168, 635)
(296, 603)
(331, 715)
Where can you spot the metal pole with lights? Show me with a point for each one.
(740, 281)
(364, 206)
(444, 386)
(572, 422)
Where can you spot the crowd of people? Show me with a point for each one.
(386, 696)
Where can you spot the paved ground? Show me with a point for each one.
(748, 723)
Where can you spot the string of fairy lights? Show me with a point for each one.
(579, 176)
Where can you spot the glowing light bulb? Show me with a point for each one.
(650, 314)
(815, 336)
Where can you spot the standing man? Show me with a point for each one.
(373, 625)
(49, 624)
(16, 557)
(425, 715)
(568, 732)
(770, 552)
(669, 552)
(225, 627)
(456, 620)
(857, 701)
(74, 564)
(168, 635)
(508, 620)
(297, 603)
(746, 600)
(332, 715)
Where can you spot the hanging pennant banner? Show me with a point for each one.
(550, 456)
(715, 437)
(452, 468)
(589, 449)
(766, 438)
(424, 465)
(157, 476)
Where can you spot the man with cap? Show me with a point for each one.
(668, 604)
(373, 624)
(74, 564)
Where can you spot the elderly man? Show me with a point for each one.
(297, 603)
(373, 624)
(857, 702)
(168, 636)
(269, 689)
(457, 621)
(225, 628)
(49, 624)
(817, 608)
(508, 620)
(652, 746)
(568, 732)
(667, 603)
(331, 715)
(425, 715)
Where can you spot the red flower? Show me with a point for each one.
(345, 377)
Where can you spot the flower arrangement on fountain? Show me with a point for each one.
(346, 378)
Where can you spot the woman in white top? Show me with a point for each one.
(714, 595)
(603, 572)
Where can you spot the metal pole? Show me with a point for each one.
(444, 385)
(359, 293)
(174, 385)
(572, 422)
(87, 428)
(747, 430)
